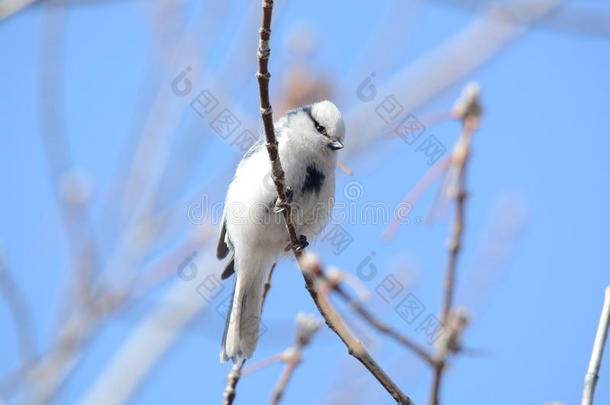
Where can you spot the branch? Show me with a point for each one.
(8, 8)
(146, 344)
(232, 380)
(598, 351)
(419, 82)
(307, 326)
(20, 313)
(366, 315)
(310, 268)
(467, 108)
(354, 346)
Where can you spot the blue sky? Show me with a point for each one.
(539, 164)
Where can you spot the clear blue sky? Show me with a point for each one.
(540, 159)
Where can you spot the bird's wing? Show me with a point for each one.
(230, 269)
(222, 249)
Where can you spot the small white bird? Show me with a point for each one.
(252, 227)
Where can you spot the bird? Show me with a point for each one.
(253, 228)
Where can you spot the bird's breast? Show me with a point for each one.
(313, 180)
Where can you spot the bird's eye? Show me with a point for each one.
(320, 129)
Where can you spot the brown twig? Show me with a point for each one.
(311, 268)
(598, 351)
(365, 314)
(354, 346)
(267, 285)
(232, 380)
(469, 110)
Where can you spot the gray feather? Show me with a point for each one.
(222, 250)
(229, 270)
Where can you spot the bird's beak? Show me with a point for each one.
(335, 145)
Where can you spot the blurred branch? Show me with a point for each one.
(72, 187)
(468, 109)
(414, 195)
(45, 377)
(307, 267)
(421, 81)
(278, 358)
(598, 351)
(566, 19)
(146, 345)
(307, 326)
(11, 7)
(20, 313)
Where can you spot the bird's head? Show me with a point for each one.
(320, 123)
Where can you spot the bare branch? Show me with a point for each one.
(598, 351)
(333, 320)
(311, 268)
(146, 345)
(419, 82)
(307, 326)
(365, 314)
(232, 380)
(277, 358)
(19, 311)
(8, 8)
(469, 110)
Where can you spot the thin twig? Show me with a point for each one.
(423, 79)
(8, 8)
(267, 284)
(598, 351)
(469, 110)
(264, 363)
(413, 196)
(292, 361)
(20, 312)
(232, 380)
(307, 326)
(365, 314)
(354, 346)
(311, 268)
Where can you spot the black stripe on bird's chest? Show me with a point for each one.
(314, 179)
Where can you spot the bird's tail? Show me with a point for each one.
(243, 321)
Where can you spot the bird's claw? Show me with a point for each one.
(280, 206)
(301, 244)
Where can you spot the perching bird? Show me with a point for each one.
(252, 226)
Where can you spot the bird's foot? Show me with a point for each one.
(301, 244)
